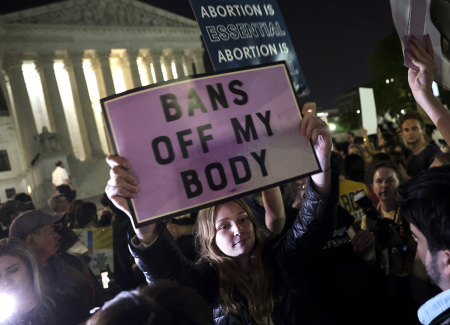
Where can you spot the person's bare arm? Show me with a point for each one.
(368, 144)
(420, 83)
(273, 204)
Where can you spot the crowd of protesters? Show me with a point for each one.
(364, 241)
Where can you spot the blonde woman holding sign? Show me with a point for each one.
(245, 275)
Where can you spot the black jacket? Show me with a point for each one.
(287, 258)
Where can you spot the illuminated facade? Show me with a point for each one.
(57, 61)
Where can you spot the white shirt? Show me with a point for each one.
(59, 175)
(434, 307)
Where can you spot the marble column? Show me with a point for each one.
(167, 61)
(156, 59)
(189, 65)
(134, 69)
(12, 63)
(178, 56)
(85, 102)
(103, 56)
(146, 61)
(198, 61)
(46, 63)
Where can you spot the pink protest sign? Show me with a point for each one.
(193, 143)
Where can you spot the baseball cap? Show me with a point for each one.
(30, 220)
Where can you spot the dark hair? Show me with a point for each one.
(354, 168)
(65, 190)
(163, 302)
(379, 157)
(24, 198)
(11, 207)
(429, 129)
(58, 163)
(105, 219)
(387, 164)
(337, 164)
(389, 139)
(85, 213)
(70, 213)
(105, 201)
(425, 204)
(351, 133)
(412, 115)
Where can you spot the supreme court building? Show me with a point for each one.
(56, 62)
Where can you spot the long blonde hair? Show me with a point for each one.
(254, 286)
(16, 247)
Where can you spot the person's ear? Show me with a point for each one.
(29, 239)
(446, 262)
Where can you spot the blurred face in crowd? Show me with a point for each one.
(15, 278)
(45, 242)
(235, 235)
(412, 132)
(349, 138)
(385, 182)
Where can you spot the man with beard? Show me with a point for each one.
(426, 205)
(421, 154)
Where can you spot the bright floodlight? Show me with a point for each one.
(7, 305)
(332, 126)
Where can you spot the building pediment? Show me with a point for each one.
(126, 13)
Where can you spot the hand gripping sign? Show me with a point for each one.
(193, 143)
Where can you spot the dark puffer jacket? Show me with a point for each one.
(287, 258)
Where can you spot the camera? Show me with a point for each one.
(366, 205)
(383, 229)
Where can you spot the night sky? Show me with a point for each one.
(332, 38)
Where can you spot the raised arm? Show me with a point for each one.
(273, 204)
(314, 221)
(367, 143)
(316, 130)
(420, 83)
(155, 251)
(123, 185)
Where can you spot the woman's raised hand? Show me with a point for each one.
(122, 184)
